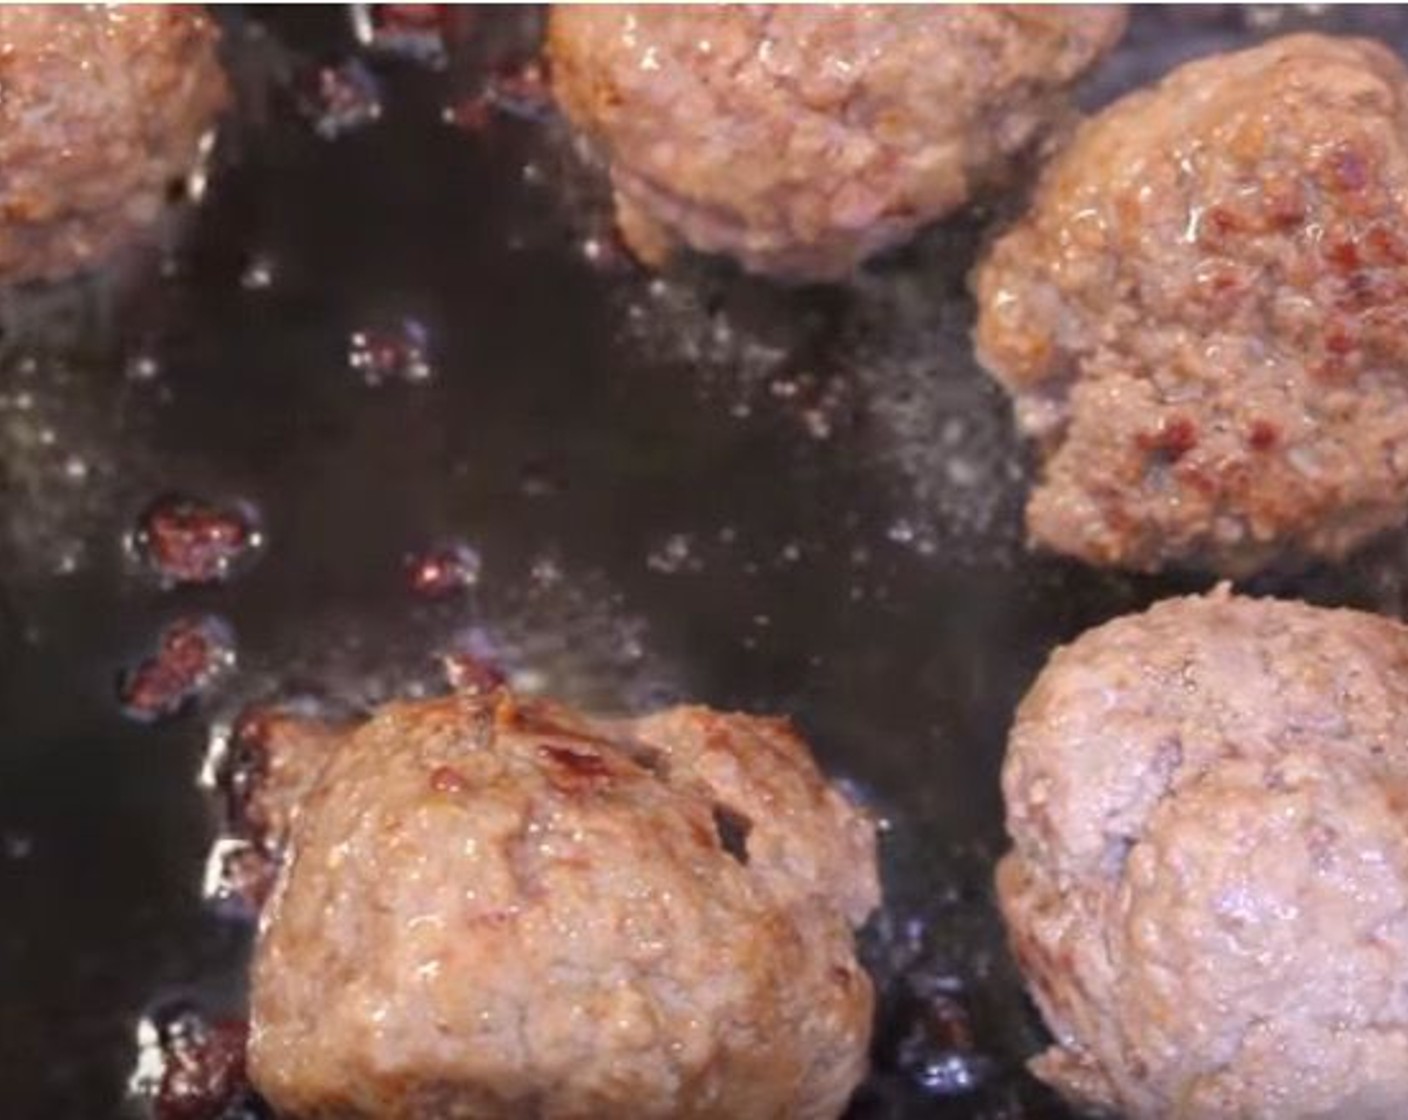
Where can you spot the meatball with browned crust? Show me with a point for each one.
(802, 139)
(105, 110)
(1208, 887)
(495, 908)
(1203, 319)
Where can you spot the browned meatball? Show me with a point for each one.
(505, 909)
(1204, 317)
(104, 109)
(802, 139)
(1208, 888)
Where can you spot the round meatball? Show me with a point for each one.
(1208, 887)
(1204, 316)
(503, 909)
(106, 109)
(801, 140)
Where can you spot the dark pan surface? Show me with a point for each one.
(794, 501)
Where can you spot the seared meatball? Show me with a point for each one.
(1208, 888)
(505, 909)
(105, 110)
(1204, 316)
(802, 139)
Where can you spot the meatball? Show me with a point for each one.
(104, 110)
(801, 140)
(495, 908)
(1208, 887)
(1203, 319)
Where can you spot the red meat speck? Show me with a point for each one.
(1263, 435)
(191, 653)
(1338, 340)
(189, 540)
(1343, 255)
(203, 1067)
(446, 779)
(1172, 440)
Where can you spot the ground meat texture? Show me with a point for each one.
(1203, 319)
(800, 140)
(503, 909)
(1208, 886)
(103, 113)
(272, 764)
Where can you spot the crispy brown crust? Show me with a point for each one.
(1203, 319)
(802, 139)
(501, 908)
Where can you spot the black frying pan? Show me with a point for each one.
(800, 501)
